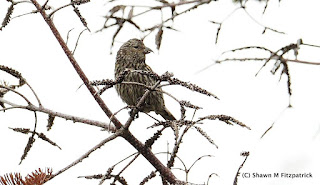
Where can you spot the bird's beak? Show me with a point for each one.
(147, 50)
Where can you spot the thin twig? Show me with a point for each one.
(18, 93)
(130, 162)
(68, 34)
(110, 138)
(34, 93)
(265, 27)
(59, 114)
(75, 47)
(56, 10)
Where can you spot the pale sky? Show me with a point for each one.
(291, 146)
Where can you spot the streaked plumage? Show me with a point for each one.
(131, 55)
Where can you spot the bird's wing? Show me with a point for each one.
(148, 68)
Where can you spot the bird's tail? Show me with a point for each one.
(166, 114)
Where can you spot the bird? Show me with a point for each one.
(132, 55)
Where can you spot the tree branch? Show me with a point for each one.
(32, 107)
(146, 152)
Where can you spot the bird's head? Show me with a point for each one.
(135, 49)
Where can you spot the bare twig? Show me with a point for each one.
(68, 34)
(18, 93)
(59, 114)
(34, 93)
(197, 160)
(130, 162)
(211, 176)
(265, 27)
(56, 10)
(75, 47)
(113, 136)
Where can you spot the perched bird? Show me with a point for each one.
(132, 55)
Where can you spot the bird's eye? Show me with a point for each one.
(136, 46)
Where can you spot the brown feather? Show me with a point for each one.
(131, 55)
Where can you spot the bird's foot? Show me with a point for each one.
(133, 114)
